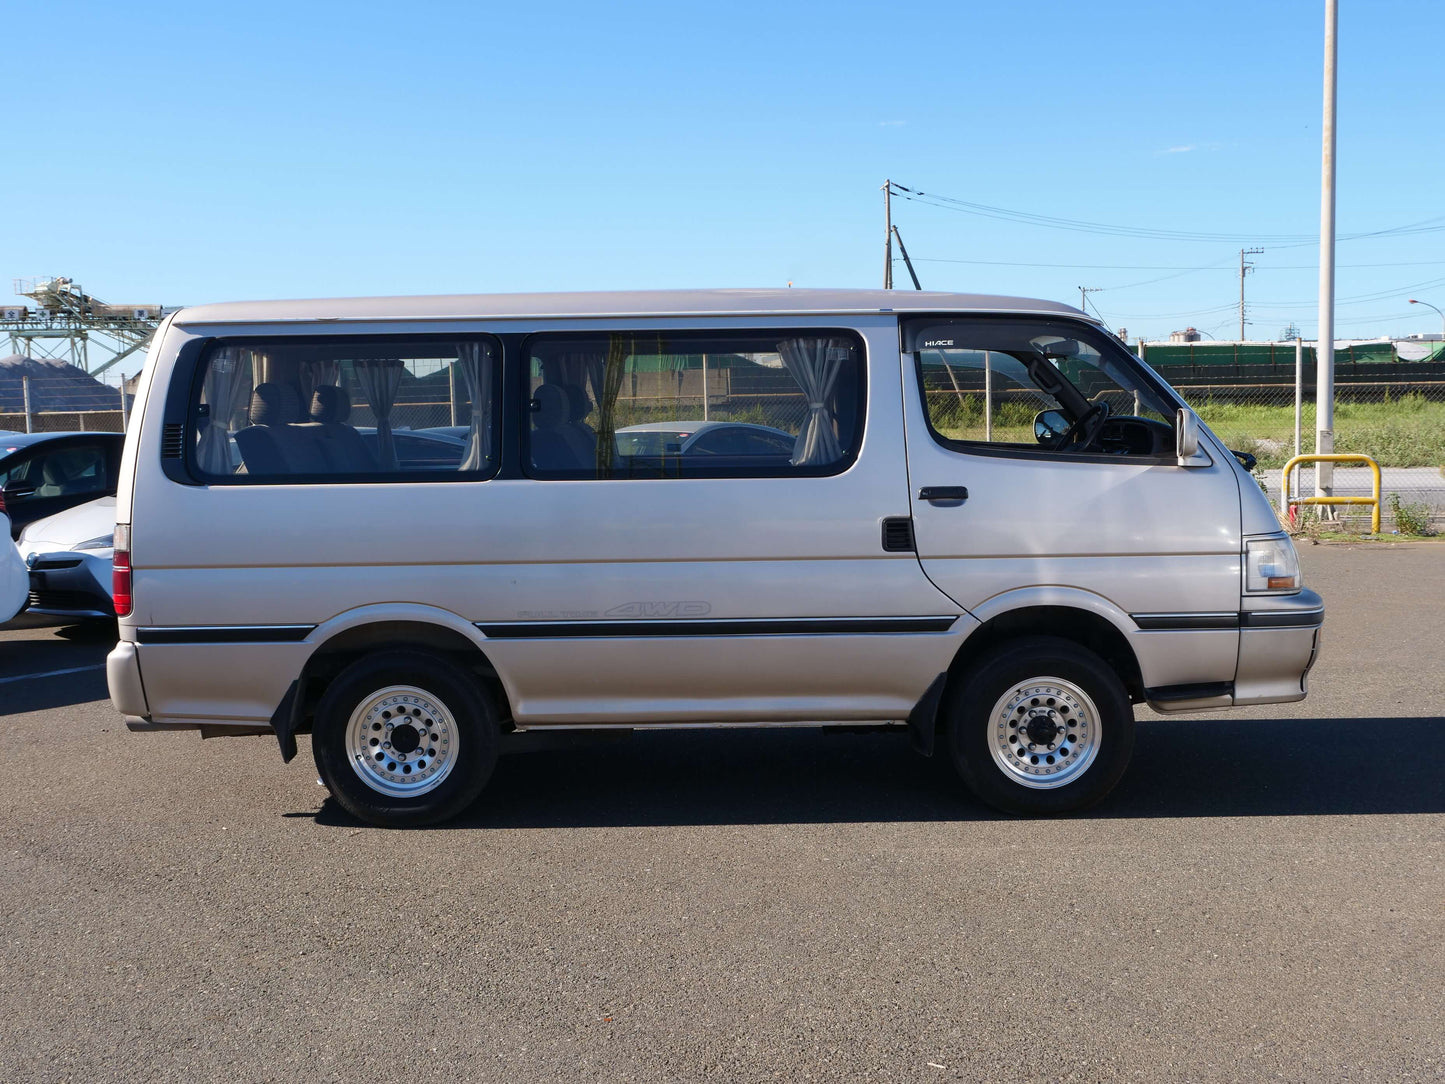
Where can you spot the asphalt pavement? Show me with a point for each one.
(1263, 897)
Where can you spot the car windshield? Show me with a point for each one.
(652, 442)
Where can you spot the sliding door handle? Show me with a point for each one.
(943, 493)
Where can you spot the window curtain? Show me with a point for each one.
(227, 386)
(815, 364)
(379, 381)
(475, 362)
(584, 369)
(613, 369)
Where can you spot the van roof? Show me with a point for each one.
(614, 303)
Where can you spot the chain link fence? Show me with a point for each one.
(68, 401)
(1387, 406)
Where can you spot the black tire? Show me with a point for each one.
(1100, 756)
(469, 759)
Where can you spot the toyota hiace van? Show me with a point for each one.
(417, 527)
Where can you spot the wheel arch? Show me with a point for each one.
(1068, 613)
(371, 629)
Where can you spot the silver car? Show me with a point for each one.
(978, 520)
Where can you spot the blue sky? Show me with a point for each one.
(181, 153)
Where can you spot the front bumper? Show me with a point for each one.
(70, 583)
(1279, 641)
(1259, 655)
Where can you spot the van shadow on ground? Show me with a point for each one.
(1212, 768)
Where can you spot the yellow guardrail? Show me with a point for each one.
(1287, 502)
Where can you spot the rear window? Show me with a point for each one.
(688, 404)
(352, 409)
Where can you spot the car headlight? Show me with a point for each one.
(104, 542)
(1271, 565)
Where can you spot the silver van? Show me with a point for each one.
(416, 527)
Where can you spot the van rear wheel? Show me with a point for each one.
(1040, 726)
(404, 739)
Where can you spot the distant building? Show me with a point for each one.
(1188, 335)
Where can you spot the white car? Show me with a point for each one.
(704, 438)
(13, 585)
(68, 558)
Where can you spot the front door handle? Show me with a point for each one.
(943, 493)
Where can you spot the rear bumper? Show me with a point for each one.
(122, 675)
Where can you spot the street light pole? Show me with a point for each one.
(1438, 313)
(1325, 349)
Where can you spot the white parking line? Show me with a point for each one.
(52, 673)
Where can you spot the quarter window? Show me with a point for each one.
(346, 409)
(665, 404)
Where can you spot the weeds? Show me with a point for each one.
(1411, 517)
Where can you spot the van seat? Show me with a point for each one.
(341, 444)
(274, 443)
(559, 442)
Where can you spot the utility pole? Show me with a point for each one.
(1244, 269)
(1084, 292)
(887, 235)
(1325, 348)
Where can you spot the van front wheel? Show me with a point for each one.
(1040, 726)
(404, 739)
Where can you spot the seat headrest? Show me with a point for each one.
(578, 405)
(275, 404)
(551, 408)
(330, 404)
(54, 469)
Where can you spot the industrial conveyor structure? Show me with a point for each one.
(65, 320)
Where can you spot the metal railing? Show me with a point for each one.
(1288, 503)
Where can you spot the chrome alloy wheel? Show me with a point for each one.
(402, 741)
(1045, 732)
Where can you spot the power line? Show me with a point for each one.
(1165, 267)
(1078, 225)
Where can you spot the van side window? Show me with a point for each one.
(345, 409)
(1037, 387)
(693, 404)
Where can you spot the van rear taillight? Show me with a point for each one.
(120, 579)
(2, 500)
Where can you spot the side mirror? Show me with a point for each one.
(1049, 426)
(1186, 435)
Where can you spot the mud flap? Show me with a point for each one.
(923, 719)
(287, 720)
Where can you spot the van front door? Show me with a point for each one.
(1042, 472)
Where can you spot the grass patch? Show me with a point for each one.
(1404, 432)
